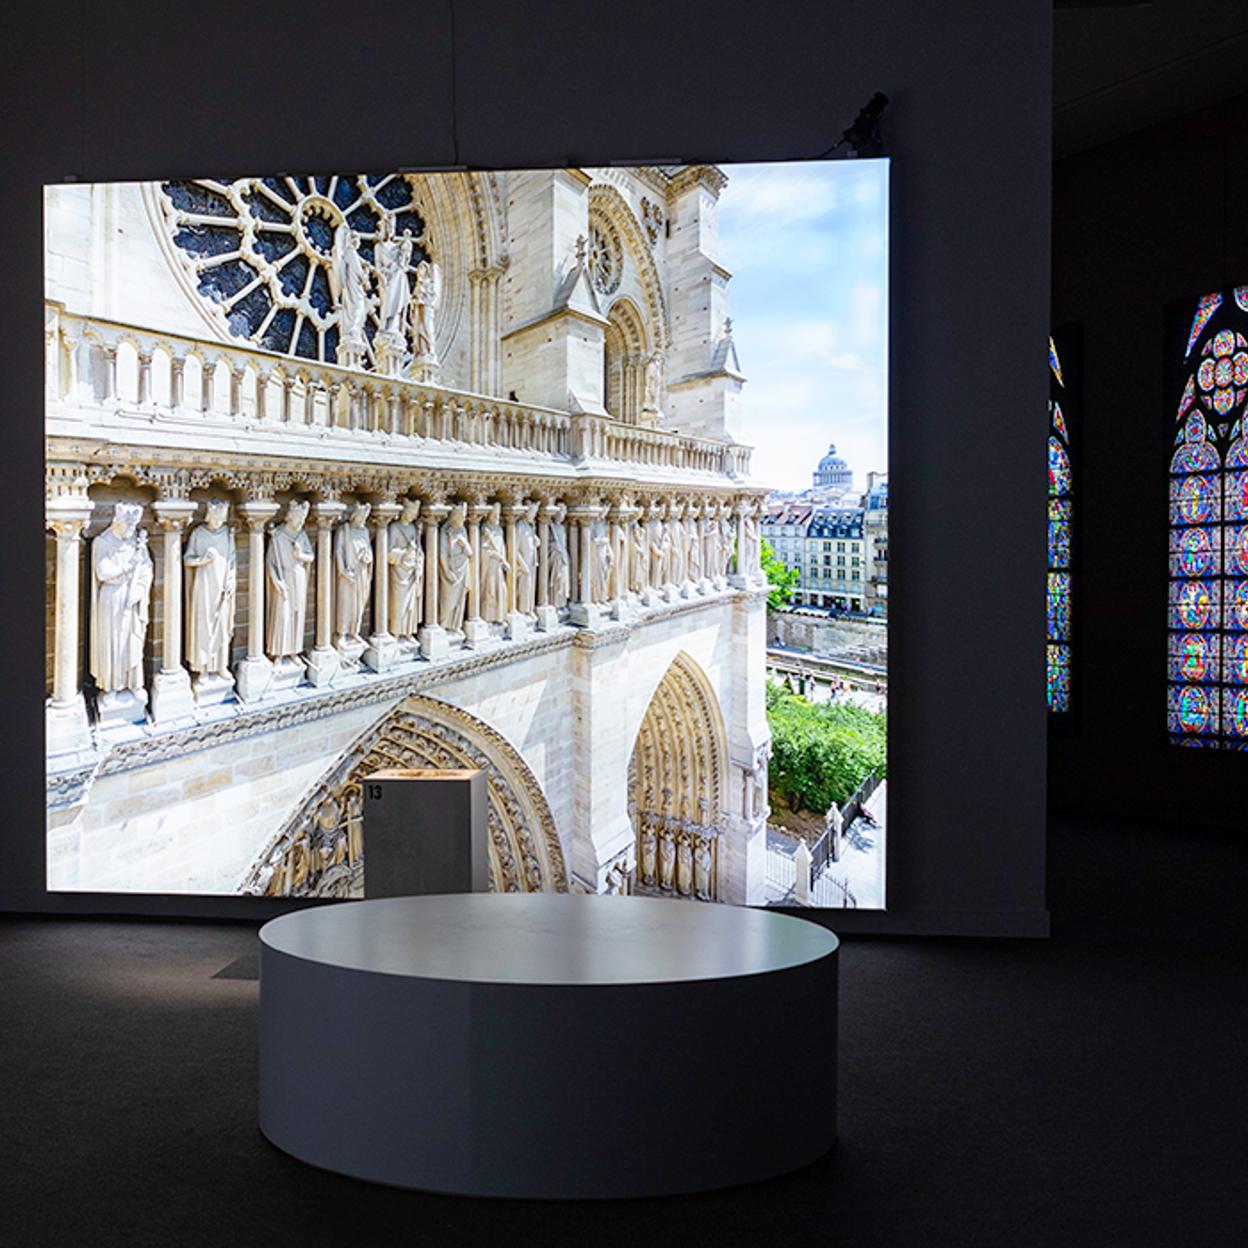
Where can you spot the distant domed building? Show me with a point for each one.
(833, 472)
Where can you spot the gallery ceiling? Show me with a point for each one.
(1120, 66)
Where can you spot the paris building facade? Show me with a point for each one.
(399, 470)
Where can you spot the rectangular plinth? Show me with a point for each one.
(425, 832)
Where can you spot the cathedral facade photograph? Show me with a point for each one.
(365, 471)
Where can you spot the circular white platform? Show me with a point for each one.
(548, 1045)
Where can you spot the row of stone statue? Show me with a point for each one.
(455, 575)
(675, 857)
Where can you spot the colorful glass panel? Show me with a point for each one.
(1054, 363)
(1205, 309)
(1059, 468)
(1059, 533)
(1059, 421)
(1059, 678)
(1207, 613)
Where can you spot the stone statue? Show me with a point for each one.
(749, 561)
(725, 545)
(353, 574)
(648, 847)
(676, 559)
(684, 865)
(526, 561)
(121, 589)
(424, 308)
(454, 560)
(211, 586)
(652, 383)
(286, 572)
(640, 560)
(406, 556)
(660, 543)
(693, 545)
(667, 860)
(392, 256)
(559, 588)
(348, 284)
(603, 561)
(710, 546)
(494, 569)
(702, 868)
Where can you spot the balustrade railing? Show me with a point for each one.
(102, 364)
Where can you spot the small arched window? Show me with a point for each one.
(1207, 613)
(1061, 505)
(624, 362)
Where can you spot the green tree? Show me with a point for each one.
(822, 753)
(782, 579)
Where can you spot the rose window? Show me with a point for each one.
(606, 258)
(260, 251)
(1223, 372)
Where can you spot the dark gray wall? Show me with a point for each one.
(1139, 223)
(131, 90)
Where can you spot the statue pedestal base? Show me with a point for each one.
(588, 614)
(324, 663)
(382, 652)
(68, 731)
(651, 597)
(434, 643)
(424, 369)
(123, 706)
(289, 672)
(686, 590)
(389, 350)
(547, 619)
(739, 580)
(706, 585)
(721, 583)
(408, 649)
(518, 625)
(476, 633)
(622, 610)
(212, 688)
(254, 676)
(171, 696)
(350, 650)
(351, 355)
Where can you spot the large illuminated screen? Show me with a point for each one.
(575, 477)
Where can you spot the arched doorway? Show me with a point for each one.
(319, 852)
(624, 359)
(677, 789)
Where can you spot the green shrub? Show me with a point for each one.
(822, 753)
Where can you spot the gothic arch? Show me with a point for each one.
(678, 784)
(625, 349)
(607, 202)
(319, 852)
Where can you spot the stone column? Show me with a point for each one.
(434, 642)
(517, 624)
(324, 661)
(476, 630)
(547, 616)
(256, 671)
(67, 727)
(383, 649)
(171, 689)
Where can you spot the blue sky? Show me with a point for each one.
(807, 247)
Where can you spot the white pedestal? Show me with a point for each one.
(288, 673)
(408, 650)
(124, 706)
(171, 696)
(254, 676)
(68, 731)
(739, 581)
(476, 633)
(212, 688)
(434, 643)
(350, 651)
(588, 614)
(547, 619)
(382, 652)
(324, 664)
(518, 625)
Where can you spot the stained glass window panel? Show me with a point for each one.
(1059, 678)
(1207, 610)
(1061, 514)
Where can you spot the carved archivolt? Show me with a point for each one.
(677, 777)
(319, 853)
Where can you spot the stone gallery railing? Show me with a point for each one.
(98, 365)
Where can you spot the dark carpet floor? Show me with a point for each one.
(1088, 1089)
